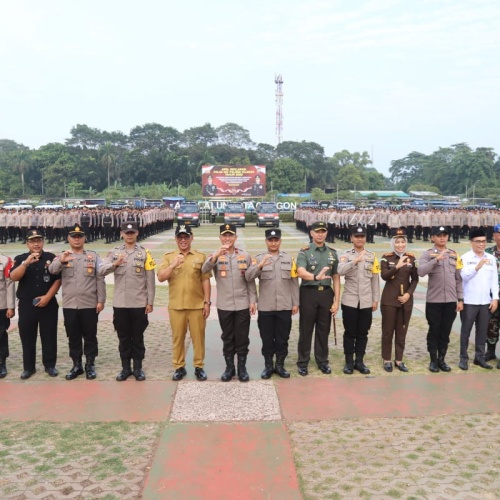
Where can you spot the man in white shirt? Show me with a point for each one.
(480, 282)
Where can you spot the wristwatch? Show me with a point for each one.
(315, 276)
(207, 302)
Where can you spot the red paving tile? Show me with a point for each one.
(246, 461)
(412, 396)
(87, 401)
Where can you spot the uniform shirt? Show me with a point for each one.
(7, 286)
(480, 287)
(362, 286)
(313, 259)
(405, 277)
(37, 279)
(234, 292)
(278, 282)
(445, 280)
(185, 282)
(134, 278)
(496, 253)
(82, 287)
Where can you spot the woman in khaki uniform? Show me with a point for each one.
(399, 271)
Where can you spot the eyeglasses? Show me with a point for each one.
(479, 242)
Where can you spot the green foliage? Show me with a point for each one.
(317, 194)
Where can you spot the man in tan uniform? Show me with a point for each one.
(133, 299)
(189, 301)
(278, 301)
(84, 296)
(7, 309)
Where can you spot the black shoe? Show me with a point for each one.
(90, 373)
(230, 371)
(3, 369)
(348, 368)
(139, 374)
(498, 365)
(267, 372)
(361, 367)
(325, 368)
(443, 366)
(388, 366)
(482, 364)
(490, 356)
(401, 366)
(124, 375)
(27, 374)
(179, 374)
(303, 371)
(280, 370)
(200, 374)
(463, 365)
(74, 372)
(51, 371)
(433, 367)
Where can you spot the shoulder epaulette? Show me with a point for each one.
(332, 249)
(411, 254)
(388, 254)
(305, 248)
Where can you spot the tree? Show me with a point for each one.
(108, 159)
(22, 163)
(287, 176)
(234, 136)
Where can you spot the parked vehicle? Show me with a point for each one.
(234, 213)
(189, 214)
(267, 215)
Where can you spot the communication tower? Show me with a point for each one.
(278, 80)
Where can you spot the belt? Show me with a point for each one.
(320, 288)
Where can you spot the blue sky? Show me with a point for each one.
(388, 76)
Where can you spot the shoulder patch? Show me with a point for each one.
(388, 254)
(305, 248)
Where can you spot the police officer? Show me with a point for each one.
(236, 300)
(7, 309)
(37, 304)
(84, 296)
(278, 301)
(257, 187)
(494, 324)
(360, 298)
(445, 296)
(189, 301)
(210, 189)
(317, 267)
(133, 298)
(398, 269)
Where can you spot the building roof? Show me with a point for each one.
(384, 194)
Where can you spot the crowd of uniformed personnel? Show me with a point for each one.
(384, 221)
(97, 223)
(317, 296)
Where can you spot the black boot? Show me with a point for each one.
(90, 373)
(433, 365)
(76, 370)
(126, 371)
(280, 367)
(442, 365)
(3, 368)
(490, 352)
(230, 370)
(349, 364)
(138, 372)
(242, 368)
(360, 366)
(268, 368)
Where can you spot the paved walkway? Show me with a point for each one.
(313, 437)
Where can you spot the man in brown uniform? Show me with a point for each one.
(189, 301)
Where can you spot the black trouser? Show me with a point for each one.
(357, 323)
(478, 315)
(130, 324)
(456, 234)
(49, 234)
(410, 229)
(440, 317)
(30, 319)
(235, 327)
(370, 233)
(3, 234)
(314, 312)
(81, 325)
(274, 327)
(4, 336)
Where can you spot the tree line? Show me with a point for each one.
(93, 161)
(155, 160)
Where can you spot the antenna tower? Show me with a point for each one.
(278, 80)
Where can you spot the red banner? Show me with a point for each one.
(248, 181)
